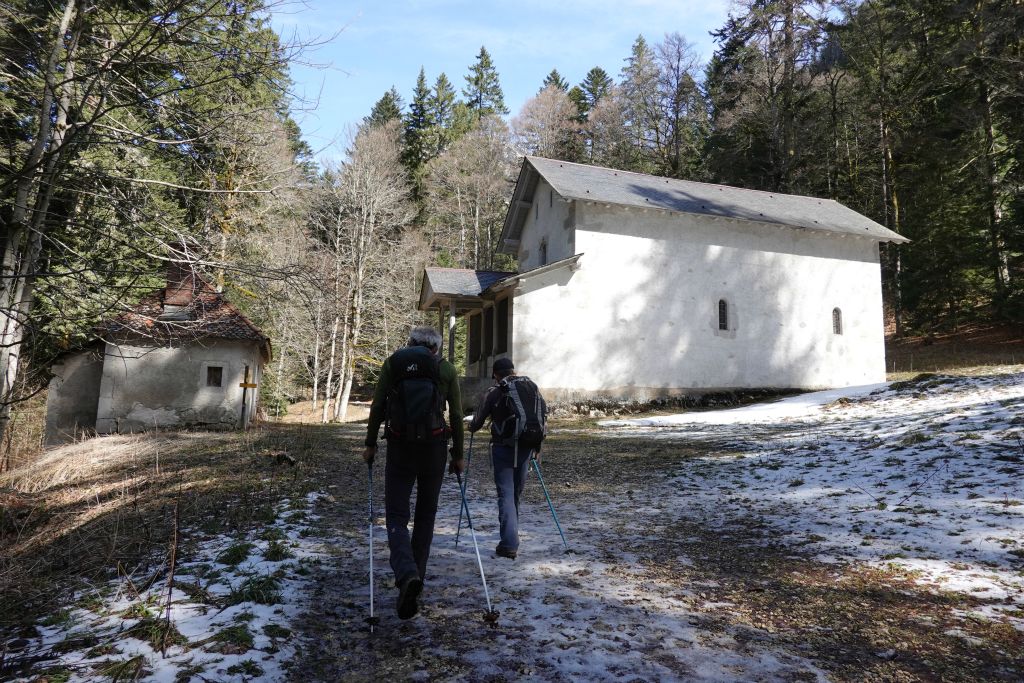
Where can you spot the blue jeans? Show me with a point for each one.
(509, 481)
(422, 466)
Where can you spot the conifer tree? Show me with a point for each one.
(483, 90)
(640, 101)
(417, 123)
(387, 109)
(554, 78)
(579, 99)
(441, 112)
(596, 85)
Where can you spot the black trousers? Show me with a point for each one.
(421, 465)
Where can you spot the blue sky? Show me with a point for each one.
(370, 46)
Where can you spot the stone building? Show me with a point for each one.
(184, 356)
(633, 286)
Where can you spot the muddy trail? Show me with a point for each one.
(653, 589)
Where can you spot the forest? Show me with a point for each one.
(134, 133)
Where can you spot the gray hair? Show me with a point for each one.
(424, 335)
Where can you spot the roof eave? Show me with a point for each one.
(515, 215)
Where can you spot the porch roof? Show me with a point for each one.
(468, 289)
(462, 286)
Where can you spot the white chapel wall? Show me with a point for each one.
(550, 222)
(640, 317)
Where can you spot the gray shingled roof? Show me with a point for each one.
(461, 285)
(605, 185)
(462, 281)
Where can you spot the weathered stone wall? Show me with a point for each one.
(145, 387)
(73, 396)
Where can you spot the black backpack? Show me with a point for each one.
(415, 406)
(527, 420)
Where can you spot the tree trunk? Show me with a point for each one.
(997, 244)
(35, 186)
(330, 372)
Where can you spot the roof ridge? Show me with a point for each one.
(681, 180)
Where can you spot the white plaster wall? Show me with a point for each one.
(640, 317)
(550, 218)
(144, 387)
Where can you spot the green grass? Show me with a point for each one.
(275, 631)
(277, 551)
(263, 590)
(236, 554)
(245, 668)
(238, 637)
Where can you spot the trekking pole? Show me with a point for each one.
(372, 620)
(492, 616)
(469, 459)
(536, 467)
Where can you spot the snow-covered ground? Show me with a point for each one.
(927, 476)
(234, 603)
(921, 480)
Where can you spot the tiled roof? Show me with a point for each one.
(208, 316)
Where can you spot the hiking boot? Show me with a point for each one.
(408, 592)
(502, 551)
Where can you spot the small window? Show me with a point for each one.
(723, 314)
(214, 376)
(536, 211)
(543, 252)
(551, 198)
(837, 321)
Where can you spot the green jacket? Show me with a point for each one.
(449, 388)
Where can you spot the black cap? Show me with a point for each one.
(502, 366)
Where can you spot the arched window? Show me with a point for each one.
(723, 314)
(837, 321)
(543, 252)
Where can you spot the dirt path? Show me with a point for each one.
(597, 613)
(655, 590)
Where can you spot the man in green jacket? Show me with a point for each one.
(413, 386)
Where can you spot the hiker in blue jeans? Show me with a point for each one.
(511, 460)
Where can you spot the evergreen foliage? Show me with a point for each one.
(595, 86)
(387, 109)
(417, 125)
(554, 78)
(483, 89)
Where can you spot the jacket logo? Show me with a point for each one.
(413, 368)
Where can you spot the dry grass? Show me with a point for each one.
(87, 512)
(303, 412)
(28, 422)
(975, 346)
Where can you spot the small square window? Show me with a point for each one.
(215, 376)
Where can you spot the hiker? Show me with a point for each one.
(409, 399)
(515, 439)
